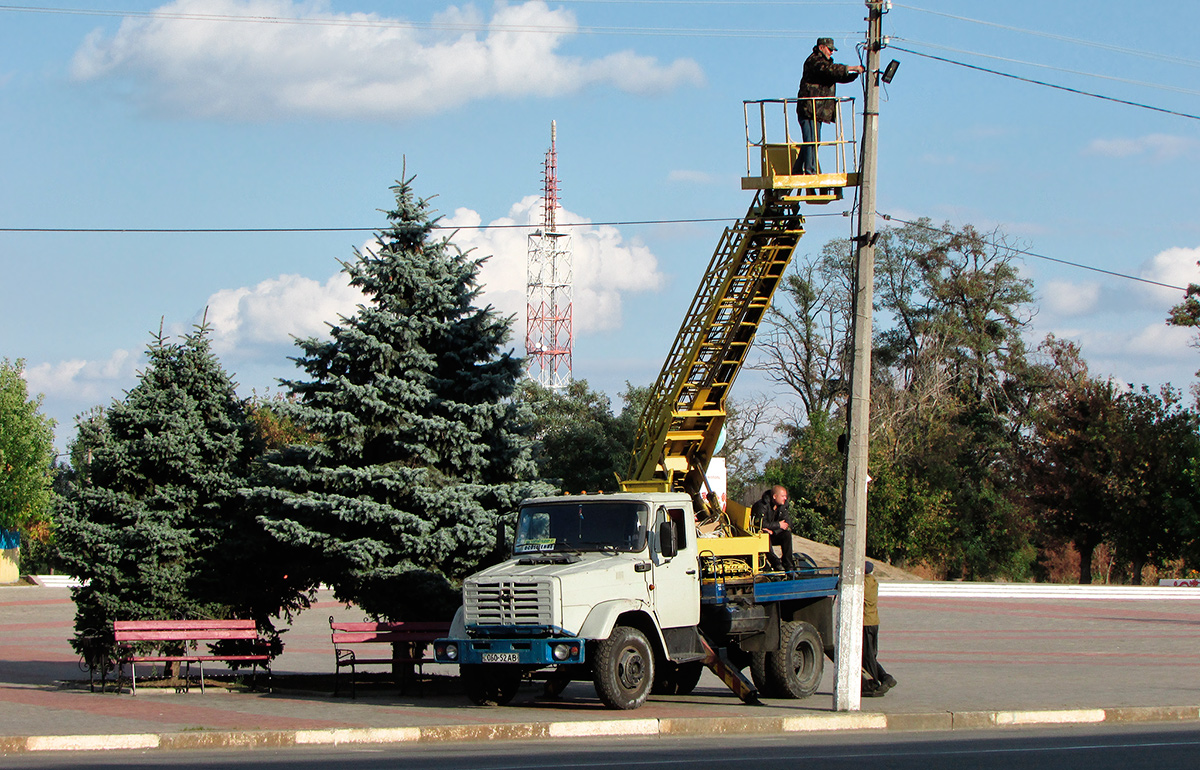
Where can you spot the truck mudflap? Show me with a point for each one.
(551, 651)
(728, 673)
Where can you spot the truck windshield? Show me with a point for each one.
(588, 526)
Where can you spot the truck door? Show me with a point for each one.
(675, 580)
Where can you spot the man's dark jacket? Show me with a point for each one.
(769, 513)
(820, 79)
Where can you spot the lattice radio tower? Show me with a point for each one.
(548, 288)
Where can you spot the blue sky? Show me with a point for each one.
(112, 121)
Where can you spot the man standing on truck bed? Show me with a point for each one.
(771, 510)
(815, 97)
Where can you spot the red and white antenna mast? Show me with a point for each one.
(549, 287)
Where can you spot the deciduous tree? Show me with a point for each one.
(26, 456)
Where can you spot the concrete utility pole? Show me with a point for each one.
(847, 695)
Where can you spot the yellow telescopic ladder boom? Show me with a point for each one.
(682, 421)
(681, 424)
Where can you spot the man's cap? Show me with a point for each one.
(827, 42)
(869, 567)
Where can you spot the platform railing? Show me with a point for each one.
(773, 141)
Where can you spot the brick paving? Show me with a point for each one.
(950, 655)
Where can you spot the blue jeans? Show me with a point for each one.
(810, 130)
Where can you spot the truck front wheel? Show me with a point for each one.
(490, 685)
(794, 671)
(623, 669)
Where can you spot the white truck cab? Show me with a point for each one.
(610, 583)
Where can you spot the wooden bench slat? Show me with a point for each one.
(182, 636)
(163, 625)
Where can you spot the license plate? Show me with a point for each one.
(501, 657)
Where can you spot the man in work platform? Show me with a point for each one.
(771, 511)
(815, 105)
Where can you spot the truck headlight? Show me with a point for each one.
(565, 651)
(450, 651)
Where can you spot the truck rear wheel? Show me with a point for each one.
(623, 669)
(765, 683)
(794, 671)
(490, 685)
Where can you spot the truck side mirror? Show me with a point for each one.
(668, 539)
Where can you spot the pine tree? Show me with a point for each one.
(152, 518)
(421, 454)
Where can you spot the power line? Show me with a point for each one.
(242, 230)
(1010, 60)
(614, 223)
(1027, 253)
(347, 22)
(1048, 85)
(1139, 52)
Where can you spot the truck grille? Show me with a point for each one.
(509, 603)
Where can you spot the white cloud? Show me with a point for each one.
(355, 64)
(605, 266)
(691, 177)
(246, 321)
(1151, 353)
(1159, 147)
(1070, 299)
(270, 313)
(1175, 267)
(84, 381)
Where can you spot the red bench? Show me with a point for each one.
(188, 634)
(409, 640)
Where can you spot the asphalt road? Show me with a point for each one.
(1091, 748)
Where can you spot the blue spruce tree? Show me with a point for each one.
(151, 517)
(421, 452)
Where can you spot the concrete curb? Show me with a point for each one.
(947, 720)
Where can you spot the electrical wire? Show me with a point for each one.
(622, 223)
(1027, 253)
(1140, 105)
(1138, 52)
(243, 230)
(359, 22)
(1141, 83)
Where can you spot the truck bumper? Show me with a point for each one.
(524, 652)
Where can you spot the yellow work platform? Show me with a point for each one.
(772, 149)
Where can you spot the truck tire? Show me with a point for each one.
(794, 671)
(490, 685)
(623, 669)
(677, 678)
(764, 682)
